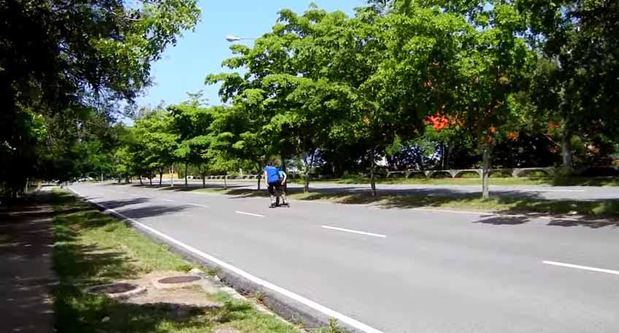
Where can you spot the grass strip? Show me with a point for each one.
(92, 248)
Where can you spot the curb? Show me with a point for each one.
(287, 308)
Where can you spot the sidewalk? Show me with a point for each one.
(26, 275)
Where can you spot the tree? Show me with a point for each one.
(154, 133)
(577, 79)
(58, 57)
(464, 59)
(190, 123)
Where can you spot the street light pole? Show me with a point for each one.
(234, 38)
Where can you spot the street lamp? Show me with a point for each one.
(233, 38)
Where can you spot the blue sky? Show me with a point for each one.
(183, 68)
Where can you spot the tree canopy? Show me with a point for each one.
(397, 85)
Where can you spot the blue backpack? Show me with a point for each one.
(272, 174)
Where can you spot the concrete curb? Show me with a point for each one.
(289, 309)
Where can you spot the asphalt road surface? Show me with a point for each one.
(399, 270)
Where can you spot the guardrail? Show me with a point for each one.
(455, 173)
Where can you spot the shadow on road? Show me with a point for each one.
(113, 204)
(527, 205)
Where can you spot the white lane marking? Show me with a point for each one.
(354, 231)
(246, 213)
(287, 293)
(168, 200)
(586, 268)
(197, 205)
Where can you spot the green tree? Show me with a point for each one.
(62, 57)
(155, 136)
(576, 83)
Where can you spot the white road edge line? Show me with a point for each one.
(586, 268)
(307, 302)
(354, 231)
(246, 213)
(168, 200)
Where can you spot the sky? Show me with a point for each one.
(184, 67)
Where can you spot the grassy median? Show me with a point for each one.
(92, 248)
(473, 179)
(498, 204)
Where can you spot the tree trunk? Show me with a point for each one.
(485, 172)
(150, 180)
(225, 182)
(259, 177)
(160, 178)
(372, 177)
(141, 182)
(203, 180)
(186, 165)
(308, 170)
(450, 149)
(566, 151)
(306, 182)
(442, 155)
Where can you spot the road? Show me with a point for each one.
(523, 191)
(399, 270)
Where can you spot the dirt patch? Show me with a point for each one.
(114, 288)
(198, 294)
(181, 279)
(121, 290)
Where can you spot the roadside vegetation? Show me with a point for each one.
(92, 248)
(395, 85)
(498, 204)
(474, 180)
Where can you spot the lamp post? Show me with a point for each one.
(234, 38)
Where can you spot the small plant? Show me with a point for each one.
(334, 327)
(259, 296)
(224, 314)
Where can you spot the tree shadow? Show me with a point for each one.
(528, 205)
(190, 187)
(113, 204)
(80, 265)
(151, 211)
(504, 220)
(509, 207)
(25, 266)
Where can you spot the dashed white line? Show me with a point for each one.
(354, 231)
(586, 268)
(168, 200)
(250, 214)
(296, 297)
(197, 205)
